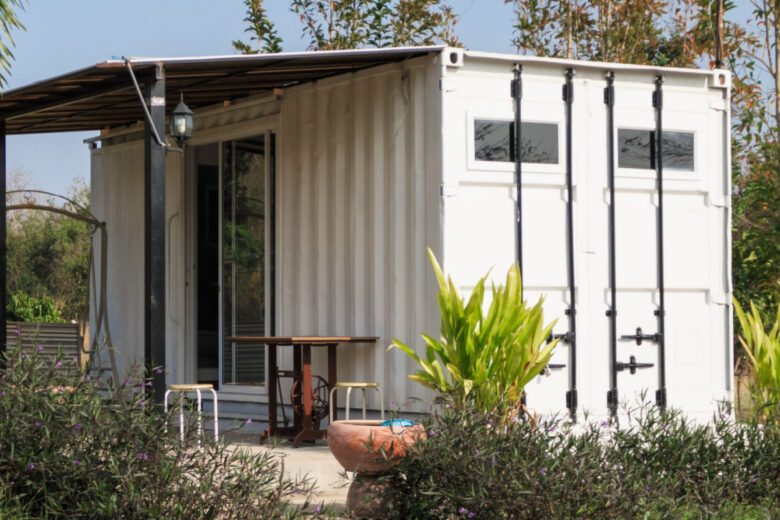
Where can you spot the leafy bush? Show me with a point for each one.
(485, 358)
(22, 307)
(70, 449)
(763, 349)
(653, 466)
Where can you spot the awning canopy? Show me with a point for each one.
(102, 96)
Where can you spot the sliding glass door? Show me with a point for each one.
(247, 180)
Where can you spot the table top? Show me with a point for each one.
(302, 340)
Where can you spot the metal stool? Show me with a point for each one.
(182, 389)
(362, 386)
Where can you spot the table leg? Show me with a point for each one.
(273, 375)
(306, 385)
(332, 376)
(297, 422)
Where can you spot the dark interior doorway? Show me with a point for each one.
(206, 162)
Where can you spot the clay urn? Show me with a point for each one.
(358, 445)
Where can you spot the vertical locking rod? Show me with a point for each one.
(660, 395)
(571, 395)
(609, 100)
(517, 94)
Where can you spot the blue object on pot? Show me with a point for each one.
(397, 423)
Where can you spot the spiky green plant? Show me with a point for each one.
(763, 349)
(484, 358)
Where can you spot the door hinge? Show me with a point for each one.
(449, 190)
(720, 202)
(720, 298)
(447, 84)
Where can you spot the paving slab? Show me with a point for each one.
(314, 461)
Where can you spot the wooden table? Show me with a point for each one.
(303, 424)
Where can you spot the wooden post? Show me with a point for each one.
(154, 233)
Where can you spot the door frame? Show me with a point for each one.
(266, 126)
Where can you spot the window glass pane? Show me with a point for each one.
(494, 141)
(243, 257)
(539, 143)
(637, 149)
(678, 151)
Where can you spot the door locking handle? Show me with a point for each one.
(639, 337)
(631, 366)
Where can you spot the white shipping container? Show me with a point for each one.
(372, 166)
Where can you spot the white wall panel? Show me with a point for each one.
(117, 197)
(358, 202)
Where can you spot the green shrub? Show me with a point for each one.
(23, 307)
(484, 358)
(653, 466)
(762, 347)
(68, 449)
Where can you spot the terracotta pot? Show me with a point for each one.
(357, 444)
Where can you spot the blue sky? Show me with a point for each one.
(64, 35)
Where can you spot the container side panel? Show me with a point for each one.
(355, 198)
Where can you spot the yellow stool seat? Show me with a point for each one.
(344, 384)
(349, 385)
(190, 387)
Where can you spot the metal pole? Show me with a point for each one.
(660, 395)
(3, 249)
(517, 94)
(609, 100)
(571, 336)
(154, 234)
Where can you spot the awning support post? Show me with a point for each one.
(154, 235)
(3, 249)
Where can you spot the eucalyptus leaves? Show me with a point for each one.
(484, 358)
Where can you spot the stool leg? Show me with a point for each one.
(381, 402)
(330, 404)
(364, 403)
(165, 408)
(349, 391)
(200, 416)
(216, 416)
(181, 416)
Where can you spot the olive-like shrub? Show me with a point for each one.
(646, 464)
(70, 448)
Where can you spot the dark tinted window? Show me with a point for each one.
(494, 141)
(637, 149)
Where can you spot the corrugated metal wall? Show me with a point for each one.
(359, 175)
(117, 197)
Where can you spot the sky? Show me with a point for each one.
(65, 35)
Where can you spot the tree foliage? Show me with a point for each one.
(352, 24)
(262, 29)
(658, 32)
(349, 24)
(756, 161)
(48, 257)
(9, 22)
